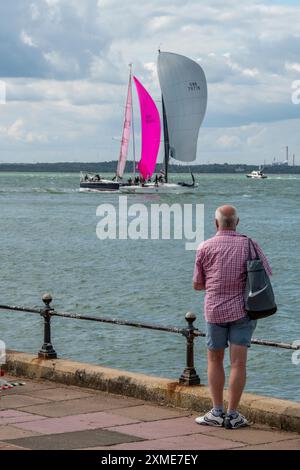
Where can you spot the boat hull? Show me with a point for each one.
(102, 185)
(257, 177)
(160, 188)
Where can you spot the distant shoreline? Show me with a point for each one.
(110, 167)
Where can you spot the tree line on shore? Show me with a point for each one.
(110, 167)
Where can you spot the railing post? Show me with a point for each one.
(47, 351)
(189, 375)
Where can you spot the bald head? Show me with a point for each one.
(226, 218)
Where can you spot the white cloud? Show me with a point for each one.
(35, 12)
(255, 143)
(229, 141)
(17, 132)
(26, 39)
(294, 67)
(250, 72)
(160, 22)
(54, 10)
(258, 138)
(61, 63)
(69, 71)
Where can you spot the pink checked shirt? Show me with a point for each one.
(221, 267)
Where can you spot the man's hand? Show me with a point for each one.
(198, 286)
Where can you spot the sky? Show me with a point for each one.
(64, 66)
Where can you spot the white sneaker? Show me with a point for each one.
(238, 421)
(209, 419)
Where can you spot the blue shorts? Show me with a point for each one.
(237, 332)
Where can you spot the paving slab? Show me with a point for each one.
(191, 442)
(30, 385)
(19, 401)
(60, 394)
(291, 444)
(74, 440)
(5, 446)
(161, 428)
(153, 389)
(248, 435)
(16, 416)
(10, 432)
(70, 417)
(150, 412)
(99, 402)
(76, 423)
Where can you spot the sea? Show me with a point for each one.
(49, 244)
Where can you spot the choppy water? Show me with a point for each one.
(48, 243)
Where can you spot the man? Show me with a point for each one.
(220, 270)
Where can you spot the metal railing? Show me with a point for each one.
(189, 375)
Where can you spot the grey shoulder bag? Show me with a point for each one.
(259, 295)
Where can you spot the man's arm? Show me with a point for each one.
(198, 286)
(199, 275)
(263, 258)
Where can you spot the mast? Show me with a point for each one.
(126, 130)
(132, 124)
(166, 136)
(166, 141)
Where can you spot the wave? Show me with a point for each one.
(283, 178)
(38, 190)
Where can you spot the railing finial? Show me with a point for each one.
(47, 351)
(189, 375)
(47, 299)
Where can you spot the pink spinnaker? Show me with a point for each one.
(150, 132)
(126, 132)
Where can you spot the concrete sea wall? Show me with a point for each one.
(281, 414)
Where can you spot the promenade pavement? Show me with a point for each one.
(50, 416)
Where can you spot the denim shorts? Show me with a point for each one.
(237, 332)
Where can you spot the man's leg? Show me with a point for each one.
(240, 332)
(216, 381)
(237, 378)
(216, 375)
(216, 342)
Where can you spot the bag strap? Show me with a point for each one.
(251, 245)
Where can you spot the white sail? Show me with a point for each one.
(184, 92)
(126, 131)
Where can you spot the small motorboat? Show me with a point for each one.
(256, 174)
